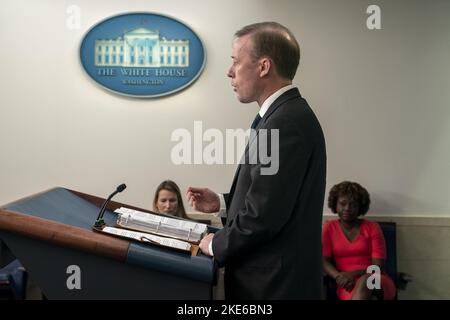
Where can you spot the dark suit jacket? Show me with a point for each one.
(271, 242)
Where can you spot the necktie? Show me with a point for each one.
(256, 121)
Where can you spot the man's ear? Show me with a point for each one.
(265, 64)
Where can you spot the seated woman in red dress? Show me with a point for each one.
(351, 244)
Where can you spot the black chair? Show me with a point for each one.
(390, 237)
(400, 279)
(13, 281)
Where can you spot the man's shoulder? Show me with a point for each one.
(291, 97)
(293, 110)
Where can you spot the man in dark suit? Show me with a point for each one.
(270, 244)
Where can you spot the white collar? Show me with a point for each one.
(271, 99)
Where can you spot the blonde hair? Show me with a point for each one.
(171, 186)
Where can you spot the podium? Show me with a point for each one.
(51, 234)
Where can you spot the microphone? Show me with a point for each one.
(100, 222)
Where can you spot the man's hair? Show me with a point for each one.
(275, 41)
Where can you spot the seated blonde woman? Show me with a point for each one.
(168, 200)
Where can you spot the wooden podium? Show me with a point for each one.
(51, 231)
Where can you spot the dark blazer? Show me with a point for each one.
(270, 244)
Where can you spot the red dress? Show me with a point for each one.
(357, 254)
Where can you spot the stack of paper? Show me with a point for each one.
(165, 226)
(140, 236)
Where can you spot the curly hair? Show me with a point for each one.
(354, 191)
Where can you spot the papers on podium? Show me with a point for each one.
(145, 237)
(156, 229)
(188, 231)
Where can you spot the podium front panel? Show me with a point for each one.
(147, 271)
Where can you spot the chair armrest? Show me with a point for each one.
(402, 280)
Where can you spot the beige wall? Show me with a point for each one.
(381, 96)
(424, 252)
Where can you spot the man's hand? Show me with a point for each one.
(204, 244)
(203, 200)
